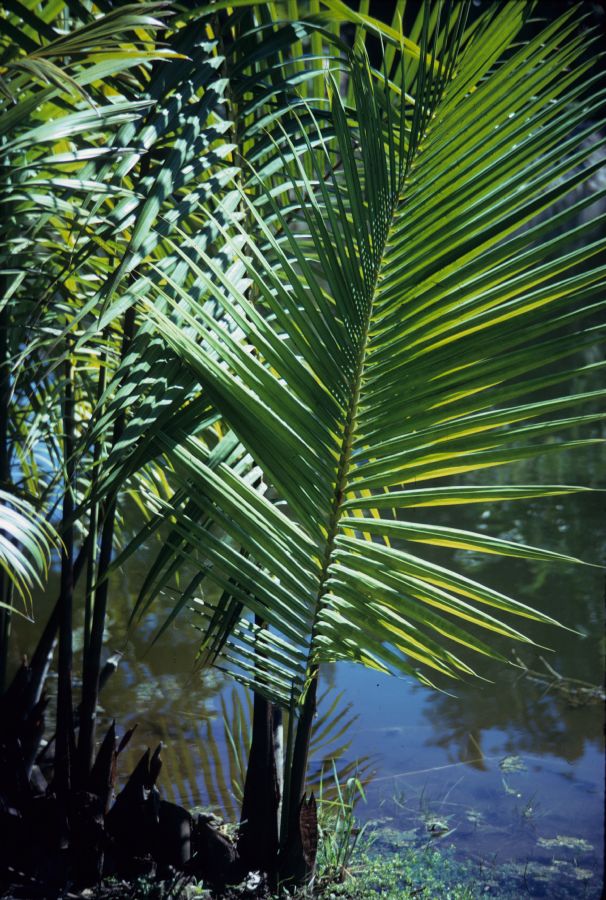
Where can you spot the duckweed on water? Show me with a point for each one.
(407, 875)
(393, 866)
(399, 873)
(437, 875)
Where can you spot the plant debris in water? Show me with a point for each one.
(512, 764)
(561, 841)
(574, 691)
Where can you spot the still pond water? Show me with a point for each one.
(508, 770)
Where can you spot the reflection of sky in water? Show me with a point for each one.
(437, 759)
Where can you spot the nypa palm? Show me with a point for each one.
(398, 296)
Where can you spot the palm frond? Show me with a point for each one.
(398, 333)
(26, 544)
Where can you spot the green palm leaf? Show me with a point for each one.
(393, 331)
(26, 543)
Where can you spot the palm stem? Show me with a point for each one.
(64, 743)
(5, 593)
(92, 664)
(258, 835)
(292, 864)
(94, 517)
(42, 655)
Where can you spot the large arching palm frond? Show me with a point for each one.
(400, 335)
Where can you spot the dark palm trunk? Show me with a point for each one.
(5, 584)
(93, 524)
(258, 834)
(42, 655)
(299, 830)
(92, 662)
(65, 734)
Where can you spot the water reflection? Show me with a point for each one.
(204, 757)
(536, 717)
(534, 721)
